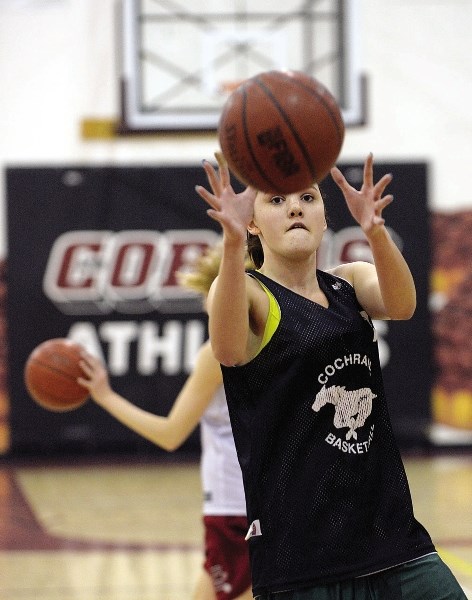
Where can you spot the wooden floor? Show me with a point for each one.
(131, 529)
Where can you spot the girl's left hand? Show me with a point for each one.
(366, 205)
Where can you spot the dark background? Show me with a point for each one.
(41, 207)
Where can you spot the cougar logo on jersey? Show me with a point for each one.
(352, 407)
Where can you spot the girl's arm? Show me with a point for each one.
(167, 432)
(386, 289)
(233, 334)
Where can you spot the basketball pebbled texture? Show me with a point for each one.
(281, 131)
(50, 375)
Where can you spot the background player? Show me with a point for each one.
(226, 573)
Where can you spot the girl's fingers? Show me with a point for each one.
(378, 220)
(380, 186)
(84, 366)
(339, 178)
(214, 214)
(212, 177)
(383, 202)
(223, 169)
(219, 218)
(207, 196)
(369, 170)
(220, 159)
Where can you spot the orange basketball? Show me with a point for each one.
(281, 131)
(51, 373)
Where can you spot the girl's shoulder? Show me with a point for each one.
(353, 271)
(344, 271)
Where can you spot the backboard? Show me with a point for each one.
(181, 61)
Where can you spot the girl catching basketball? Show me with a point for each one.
(329, 508)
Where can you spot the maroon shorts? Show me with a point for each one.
(227, 555)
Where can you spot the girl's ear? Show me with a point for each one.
(253, 228)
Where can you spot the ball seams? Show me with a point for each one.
(311, 168)
(49, 367)
(329, 109)
(247, 139)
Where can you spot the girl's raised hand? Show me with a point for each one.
(366, 205)
(233, 211)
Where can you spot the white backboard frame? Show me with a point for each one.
(179, 63)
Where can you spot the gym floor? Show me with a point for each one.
(127, 528)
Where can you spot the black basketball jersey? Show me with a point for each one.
(326, 490)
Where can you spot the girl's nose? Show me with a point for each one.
(295, 208)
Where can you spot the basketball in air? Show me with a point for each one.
(281, 131)
(51, 373)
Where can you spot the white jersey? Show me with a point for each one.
(220, 471)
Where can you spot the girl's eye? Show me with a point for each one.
(276, 199)
(307, 197)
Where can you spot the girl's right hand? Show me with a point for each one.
(233, 211)
(95, 378)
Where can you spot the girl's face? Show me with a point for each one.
(291, 225)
